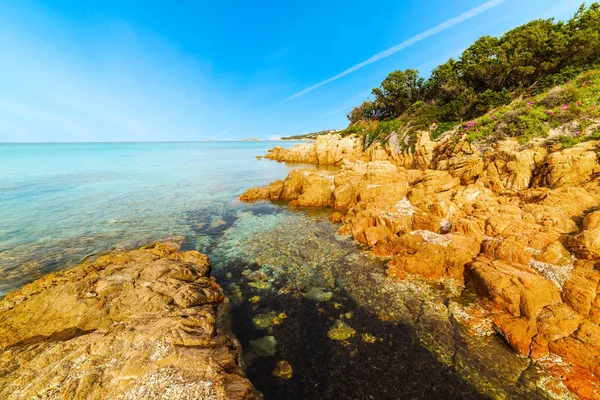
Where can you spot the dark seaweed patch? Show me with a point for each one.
(396, 366)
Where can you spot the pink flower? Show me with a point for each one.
(577, 133)
(493, 117)
(548, 112)
(592, 109)
(564, 107)
(531, 103)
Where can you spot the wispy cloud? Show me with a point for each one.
(409, 42)
(278, 54)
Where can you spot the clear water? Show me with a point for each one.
(62, 202)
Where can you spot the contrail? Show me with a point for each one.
(409, 42)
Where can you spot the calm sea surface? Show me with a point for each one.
(299, 292)
(61, 202)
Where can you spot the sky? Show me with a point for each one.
(114, 70)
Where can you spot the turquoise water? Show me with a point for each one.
(61, 202)
(290, 278)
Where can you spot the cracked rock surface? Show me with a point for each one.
(141, 324)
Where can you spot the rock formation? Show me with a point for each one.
(519, 225)
(326, 150)
(143, 324)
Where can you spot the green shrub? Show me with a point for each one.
(443, 127)
(570, 141)
(560, 95)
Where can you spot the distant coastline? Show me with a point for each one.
(310, 136)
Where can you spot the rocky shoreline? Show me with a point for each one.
(148, 323)
(517, 224)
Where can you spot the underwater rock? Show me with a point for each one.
(318, 294)
(368, 338)
(340, 331)
(264, 347)
(283, 370)
(260, 285)
(254, 299)
(129, 325)
(264, 321)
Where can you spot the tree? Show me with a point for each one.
(366, 111)
(398, 91)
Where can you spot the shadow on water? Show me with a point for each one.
(383, 360)
(395, 366)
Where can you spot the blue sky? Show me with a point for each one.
(194, 70)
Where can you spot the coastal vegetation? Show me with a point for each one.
(534, 78)
(312, 135)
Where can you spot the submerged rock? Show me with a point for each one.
(368, 338)
(341, 331)
(283, 370)
(318, 294)
(146, 323)
(264, 321)
(264, 347)
(260, 285)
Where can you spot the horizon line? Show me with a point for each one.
(157, 141)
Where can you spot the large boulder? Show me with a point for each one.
(141, 324)
(431, 255)
(516, 289)
(571, 166)
(511, 167)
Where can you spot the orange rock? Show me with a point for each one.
(510, 167)
(336, 217)
(432, 182)
(374, 234)
(571, 166)
(432, 255)
(586, 244)
(507, 249)
(579, 380)
(329, 149)
(583, 348)
(592, 220)
(259, 193)
(518, 289)
(557, 322)
(580, 290)
(275, 189)
(555, 253)
(518, 332)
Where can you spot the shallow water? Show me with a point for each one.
(61, 202)
(291, 280)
